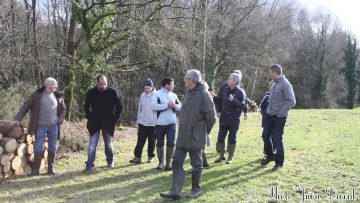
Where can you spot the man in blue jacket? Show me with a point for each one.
(166, 104)
(281, 100)
(232, 101)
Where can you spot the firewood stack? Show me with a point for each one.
(253, 107)
(17, 150)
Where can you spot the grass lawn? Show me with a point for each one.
(321, 151)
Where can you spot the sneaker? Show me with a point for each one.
(277, 167)
(150, 159)
(229, 162)
(112, 165)
(89, 170)
(266, 160)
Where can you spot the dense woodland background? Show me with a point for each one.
(131, 40)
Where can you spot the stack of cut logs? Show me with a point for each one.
(17, 150)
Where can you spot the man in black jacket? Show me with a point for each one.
(102, 108)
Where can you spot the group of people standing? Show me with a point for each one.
(157, 120)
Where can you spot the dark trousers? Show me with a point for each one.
(223, 132)
(273, 131)
(178, 169)
(145, 133)
(169, 131)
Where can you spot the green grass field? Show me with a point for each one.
(321, 150)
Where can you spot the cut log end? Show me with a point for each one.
(16, 163)
(8, 144)
(4, 159)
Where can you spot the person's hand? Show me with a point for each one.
(14, 123)
(231, 97)
(171, 104)
(212, 93)
(245, 116)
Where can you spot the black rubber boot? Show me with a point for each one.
(136, 160)
(220, 147)
(195, 189)
(169, 155)
(160, 154)
(51, 164)
(205, 161)
(35, 171)
(231, 153)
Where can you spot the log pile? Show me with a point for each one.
(17, 150)
(253, 107)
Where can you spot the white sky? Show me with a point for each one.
(348, 12)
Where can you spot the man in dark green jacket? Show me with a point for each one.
(197, 117)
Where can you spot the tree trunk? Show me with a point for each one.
(38, 72)
(69, 75)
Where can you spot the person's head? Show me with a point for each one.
(275, 71)
(168, 83)
(101, 82)
(50, 85)
(192, 78)
(148, 86)
(234, 80)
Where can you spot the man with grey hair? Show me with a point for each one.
(47, 112)
(281, 100)
(223, 87)
(197, 117)
(232, 102)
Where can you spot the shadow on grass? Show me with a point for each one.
(87, 191)
(61, 176)
(141, 187)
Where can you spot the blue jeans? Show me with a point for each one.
(223, 132)
(40, 135)
(109, 149)
(273, 137)
(169, 131)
